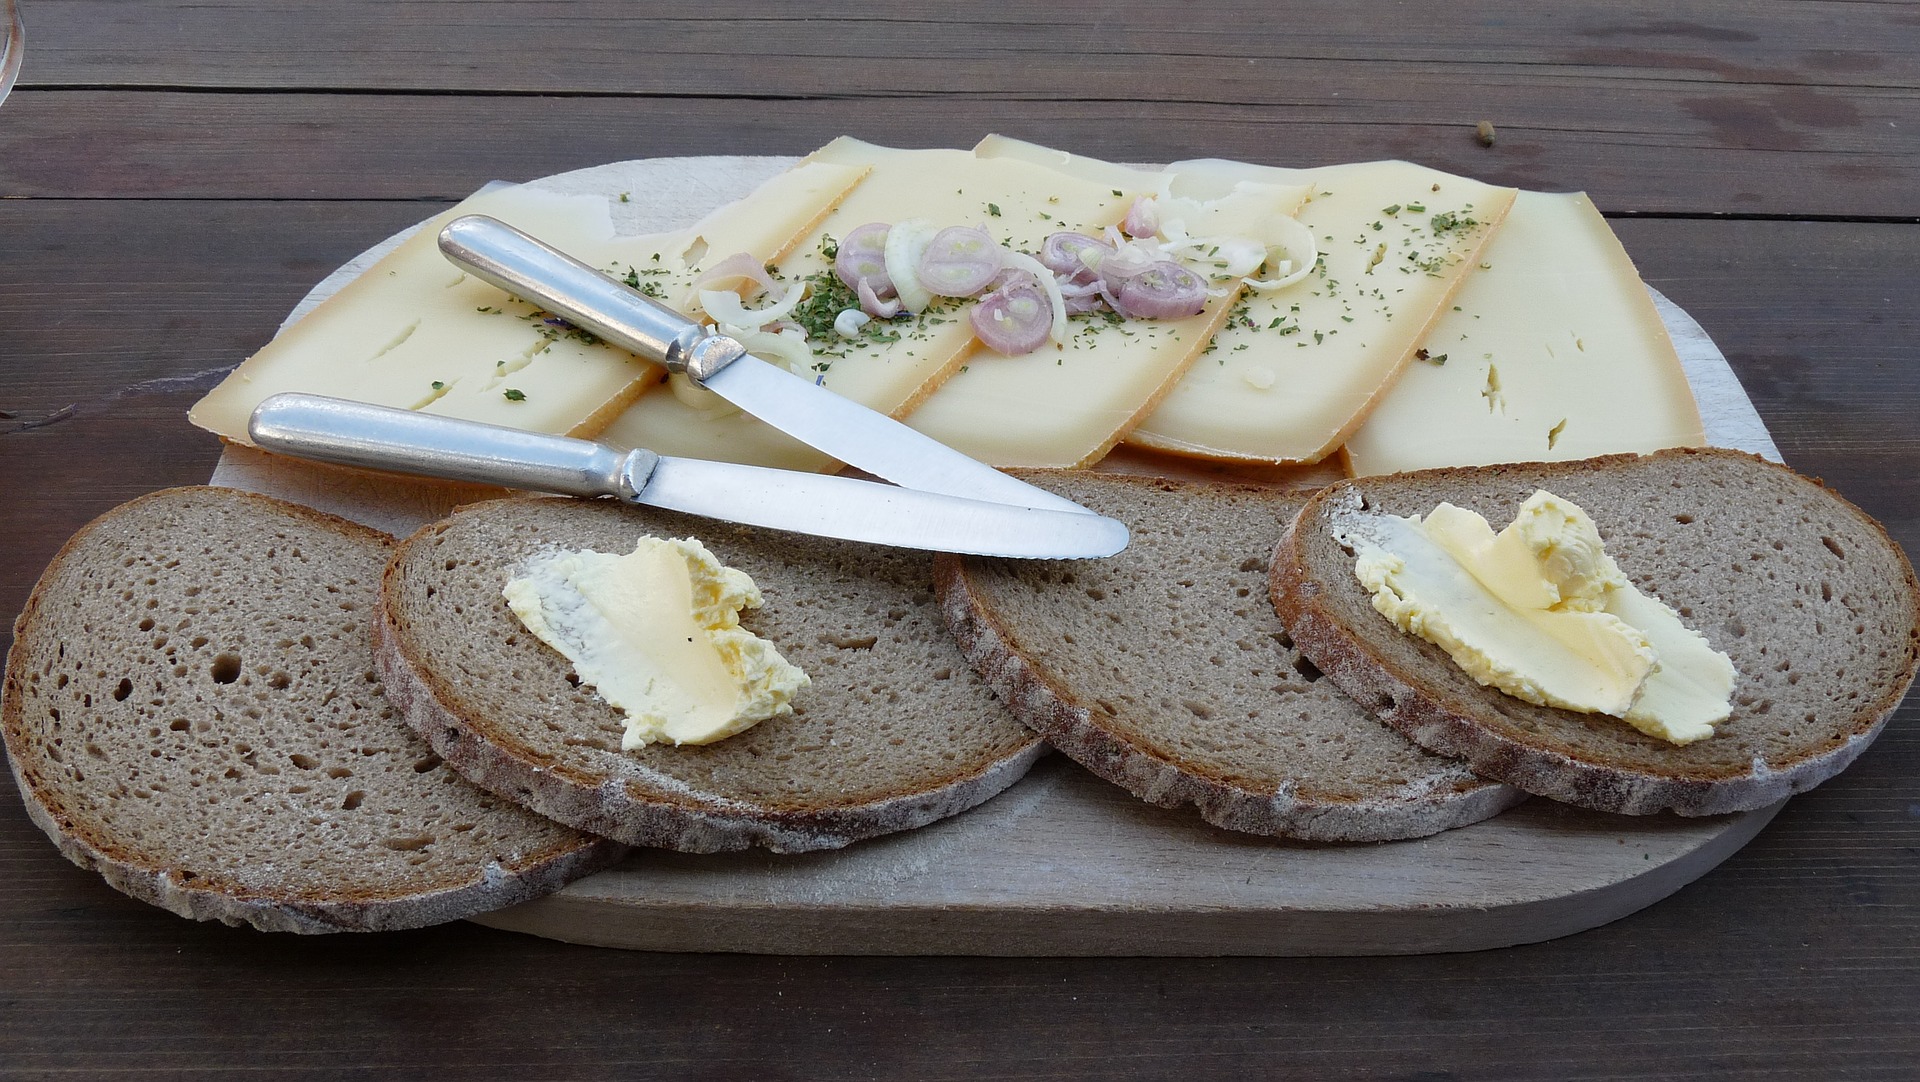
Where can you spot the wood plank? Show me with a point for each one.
(1232, 50)
(1639, 146)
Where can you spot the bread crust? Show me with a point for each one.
(616, 795)
(1053, 702)
(185, 885)
(1420, 694)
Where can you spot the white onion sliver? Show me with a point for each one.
(1242, 255)
(741, 266)
(1303, 253)
(1058, 332)
(906, 242)
(848, 323)
(694, 396)
(725, 307)
(788, 349)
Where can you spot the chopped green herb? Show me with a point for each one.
(439, 386)
(514, 395)
(993, 209)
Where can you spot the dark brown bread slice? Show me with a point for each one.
(894, 733)
(191, 711)
(1817, 607)
(1165, 671)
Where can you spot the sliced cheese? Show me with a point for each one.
(1552, 350)
(414, 332)
(1018, 202)
(1066, 404)
(1296, 369)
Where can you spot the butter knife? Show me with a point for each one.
(378, 437)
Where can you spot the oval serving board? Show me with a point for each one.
(1063, 863)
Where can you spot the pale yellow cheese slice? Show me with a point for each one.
(1551, 350)
(1066, 404)
(1295, 372)
(414, 332)
(1020, 203)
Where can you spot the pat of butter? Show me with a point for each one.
(1541, 612)
(657, 635)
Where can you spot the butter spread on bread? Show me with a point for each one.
(1813, 602)
(657, 634)
(1541, 612)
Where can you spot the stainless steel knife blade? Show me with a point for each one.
(524, 266)
(378, 437)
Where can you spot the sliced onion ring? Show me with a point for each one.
(1013, 319)
(1065, 254)
(862, 257)
(1166, 290)
(905, 242)
(959, 261)
(1302, 253)
(1044, 278)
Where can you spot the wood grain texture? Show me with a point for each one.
(1234, 50)
(1635, 150)
(295, 136)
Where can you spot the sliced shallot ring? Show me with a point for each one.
(1044, 278)
(1065, 254)
(862, 257)
(1167, 290)
(1013, 319)
(960, 261)
(905, 242)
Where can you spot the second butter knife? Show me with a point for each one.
(382, 438)
(496, 252)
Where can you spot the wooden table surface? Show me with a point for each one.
(175, 174)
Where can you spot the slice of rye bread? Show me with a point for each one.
(1814, 603)
(894, 733)
(1165, 671)
(191, 711)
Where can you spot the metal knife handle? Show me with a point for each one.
(405, 441)
(496, 252)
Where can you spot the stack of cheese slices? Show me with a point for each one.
(243, 710)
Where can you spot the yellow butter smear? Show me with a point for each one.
(1541, 612)
(656, 633)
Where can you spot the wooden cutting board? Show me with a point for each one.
(1064, 863)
